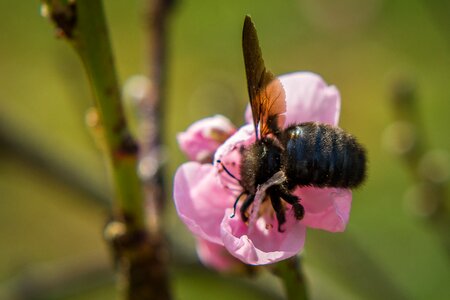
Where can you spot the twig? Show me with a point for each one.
(83, 25)
(151, 108)
(150, 154)
(140, 256)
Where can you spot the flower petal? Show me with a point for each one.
(248, 114)
(308, 98)
(216, 256)
(264, 244)
(201, 200)
(325, 208)
(230, 154)
(202, 138)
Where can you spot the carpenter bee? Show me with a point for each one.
(309, 154)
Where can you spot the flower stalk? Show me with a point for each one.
(140, 257)
(291, 276)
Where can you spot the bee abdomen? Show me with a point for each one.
(321, 155)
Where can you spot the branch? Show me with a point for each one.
(151, 108)
(82, 24)
(140, 255)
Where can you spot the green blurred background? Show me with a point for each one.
(53, 187)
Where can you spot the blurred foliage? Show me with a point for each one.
(53, 186)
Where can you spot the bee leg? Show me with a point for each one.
(299, 210)
(279, 210)
(236, 202)
(247, 202)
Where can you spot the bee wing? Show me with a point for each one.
(267, 97)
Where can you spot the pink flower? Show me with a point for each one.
(202, 138)
(216, 256)
(204, 193)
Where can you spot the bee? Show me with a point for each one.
(309, 154)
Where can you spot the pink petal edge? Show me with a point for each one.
(201, 200)
(308, 99)
(216, 256)
(202, 138)
(264, 245)
(325, 208)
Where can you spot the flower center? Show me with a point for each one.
(277, 179)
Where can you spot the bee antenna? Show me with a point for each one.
(226, 170)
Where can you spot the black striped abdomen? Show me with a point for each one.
(321, 155)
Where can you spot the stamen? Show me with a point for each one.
(226, 170)
(278, 178)
(237, 189)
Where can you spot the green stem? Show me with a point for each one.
(140, 255)
(291, 276)
(82, 24)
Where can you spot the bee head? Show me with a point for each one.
(260, 162)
